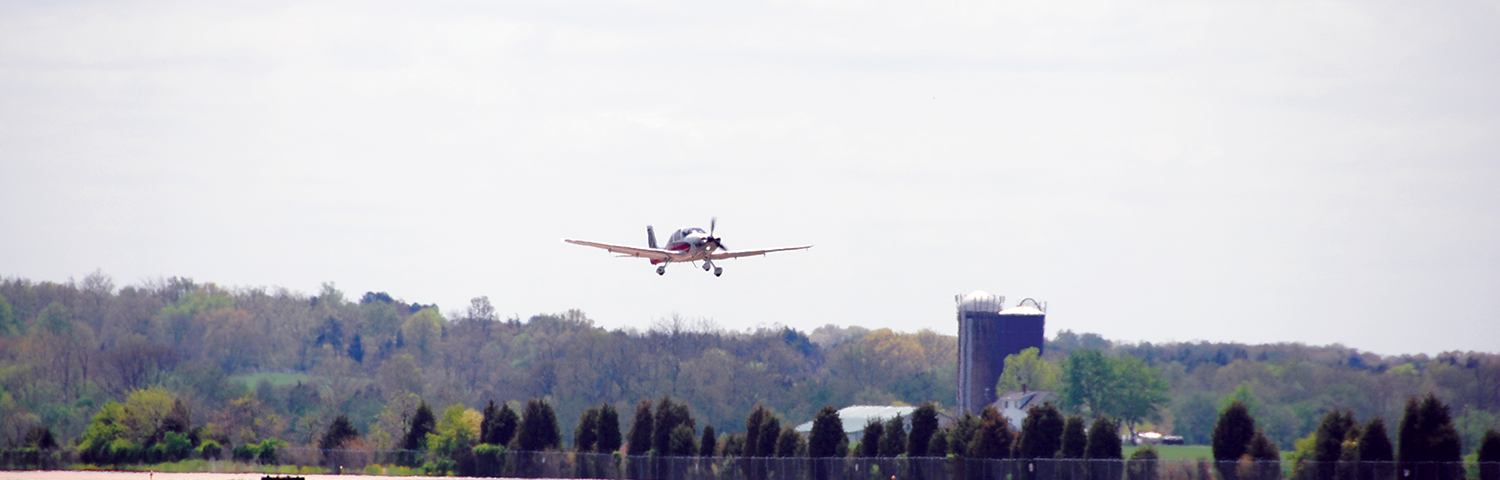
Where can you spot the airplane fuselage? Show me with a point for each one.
(689, 244)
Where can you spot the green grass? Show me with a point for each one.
(276, 379)
(1177, 452)
(1189, 452)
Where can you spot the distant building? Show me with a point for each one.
(987, 333)
(857, 416)
(1017, 405)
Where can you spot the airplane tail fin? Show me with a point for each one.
(650, 237)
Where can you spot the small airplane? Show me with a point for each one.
(690, 244)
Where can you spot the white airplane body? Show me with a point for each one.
(689, 244)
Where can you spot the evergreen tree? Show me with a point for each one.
(937, 446)
(924, 423)
(1041, 432)
(869, 441)
(1261, 449)
(538, 430)
(1443, 442)
(1430, 447)
(1233, 432)
(1104, 441)
(1489, 456)
(1232, 435)
(708, 442)
(893, 439)
(1374, 444)
(504, 426)
(993, 437)
(961, 435)
(640, 430)
(1413, 445)
(752, 430)
(1074, 441)
(489, 422)
(357, 349)
(586, 434)
(669, 415)
(1489, 447)
(661, 429)
(339, 433)
(788, 442)
(680, 442)
(609, 429)
(827, 431)
(770, 431)
(1331, 434)
(422, 423)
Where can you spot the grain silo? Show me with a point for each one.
(987, 333)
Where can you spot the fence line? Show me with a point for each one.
(614, 466)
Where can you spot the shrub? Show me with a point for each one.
(209, 450)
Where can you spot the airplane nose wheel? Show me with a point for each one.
(662, 270)
(718, 271)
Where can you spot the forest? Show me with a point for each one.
(256, 364)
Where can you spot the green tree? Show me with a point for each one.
(1137, 392)
(1262, 449)
(1104, 440)
(1488, 455)
(680, 443)
(1027, 371)
(586, 434)
(993, 437)
(708, 442)
(1194, 416)
(422, 423)
(827, 432)
(924, 423)
(1074, 441)
(1232, 435)
(789, 443)
(961, 435)
(893, 441)
(669, 415)
(1374, 444)
(869, 441)
(424, 330)
(770, 431)
(538, 430)
(1087, 380)
(609, 429)
(10, 323)
(1041, 432)
(640, 430)
(937, 446)
(338, 434)
(752, 430)
(1332, 432)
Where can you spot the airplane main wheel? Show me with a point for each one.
(662, 270)
(705, 267)
(718, 271)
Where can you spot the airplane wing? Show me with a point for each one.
(749, 253)
(624, 251)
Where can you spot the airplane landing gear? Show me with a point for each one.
(718, 271)
(662, 270)
(706, 266)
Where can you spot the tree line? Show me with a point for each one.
(254, 364)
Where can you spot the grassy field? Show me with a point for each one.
(276, 379)
(1177, 452)
(1188, 452)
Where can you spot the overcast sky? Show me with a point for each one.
(1253, 171)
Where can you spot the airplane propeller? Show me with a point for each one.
(713, 222)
